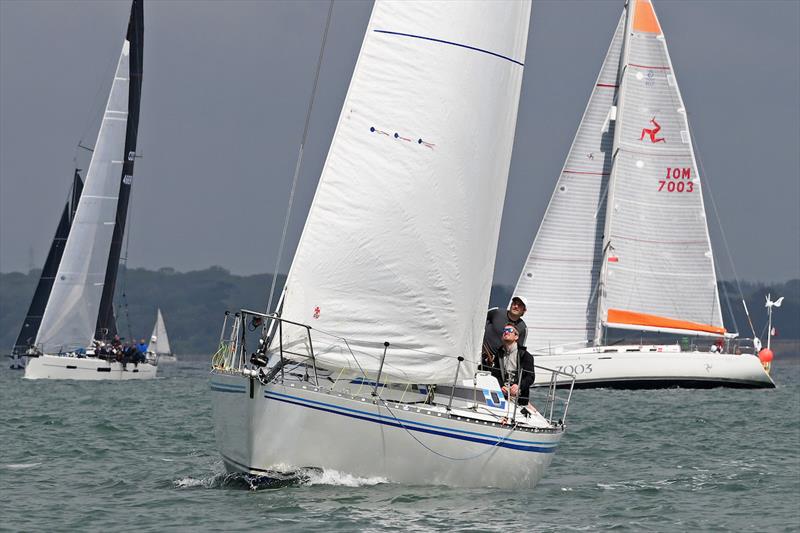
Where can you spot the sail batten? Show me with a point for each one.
(400, 240)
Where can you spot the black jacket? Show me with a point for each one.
(524, 364)
(496, 319)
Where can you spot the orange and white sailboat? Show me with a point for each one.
(624, 243)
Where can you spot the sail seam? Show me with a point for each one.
(453, 43)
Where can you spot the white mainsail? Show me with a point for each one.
(70, 317)
(658, 269)
(561, 274)
(159, 341)
(399, 245)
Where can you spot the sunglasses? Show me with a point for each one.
(509, 330)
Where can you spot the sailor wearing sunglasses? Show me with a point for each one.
(512, 365)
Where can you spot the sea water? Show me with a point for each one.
(140, 456)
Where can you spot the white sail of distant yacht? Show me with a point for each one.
(79, 307)
(159, 341)
(624, 243)
(393, 270)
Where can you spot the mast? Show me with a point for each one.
(615, 112)
(33, 319)
(106, 322)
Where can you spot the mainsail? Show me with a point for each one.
(80, 301)
(658, 269)
(159, 342)
(561, 275)
(30, 327)
(399, 245)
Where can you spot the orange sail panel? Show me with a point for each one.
(644, 18)
(618, 316)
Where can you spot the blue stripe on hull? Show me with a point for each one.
(413, 426)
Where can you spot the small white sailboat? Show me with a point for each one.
(370, 367)
(158, 349)
(624, 242)
(72, 339)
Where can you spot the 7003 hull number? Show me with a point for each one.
(576, 369)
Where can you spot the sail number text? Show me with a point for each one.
(677, 180)
(576, 369)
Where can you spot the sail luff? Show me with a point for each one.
(106, 323)
(33, 318)
(561, 273)
(400, 241)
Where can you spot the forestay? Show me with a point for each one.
(659, 269)
(561, 275)
(399, 245)
(71, 315)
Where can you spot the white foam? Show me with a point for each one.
(21, 466)
(189, 482)
(333, 477)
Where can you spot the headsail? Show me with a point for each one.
(399, 244)
(88, 269)
(561, 275)
(658, 265)
(33, 319)
(159, 342)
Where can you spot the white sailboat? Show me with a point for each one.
(159, 349)
(79, 313)
(624, 242)
(370, 368)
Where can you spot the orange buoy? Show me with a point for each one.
(766, 356)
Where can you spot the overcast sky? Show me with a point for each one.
(225, 91)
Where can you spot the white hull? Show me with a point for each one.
(279, 426)
(636, 367)
(85, 368)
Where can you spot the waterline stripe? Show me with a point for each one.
(414, 426)
(468, 47)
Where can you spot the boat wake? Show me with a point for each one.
(276, 479)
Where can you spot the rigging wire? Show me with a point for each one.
(299, 158)
(724, 238)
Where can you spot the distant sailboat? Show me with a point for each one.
(79, 313)
(624, 242)
(30, 327)
(372, 362)
(159, 349)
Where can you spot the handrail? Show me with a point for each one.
(234, 358)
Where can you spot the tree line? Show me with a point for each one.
(193, 304)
